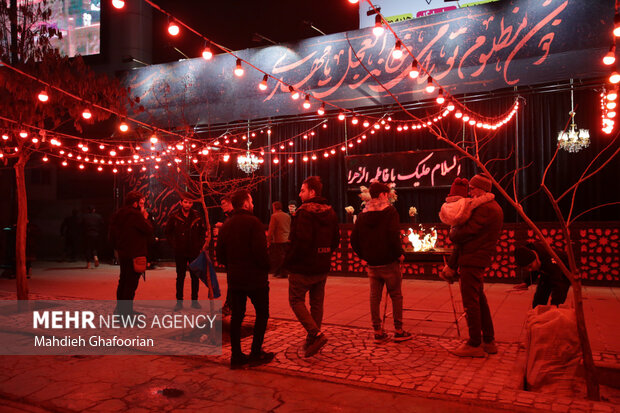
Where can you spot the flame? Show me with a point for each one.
(426, 243)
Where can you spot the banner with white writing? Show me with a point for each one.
(419, 169)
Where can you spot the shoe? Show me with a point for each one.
(315, 344)
(465, 350)
(96, 262)
(402, 336)
(262, 358)
(87, 265)
(196, 304)
(178, 306)
(239, 362)
(381, 337)
(490, 348)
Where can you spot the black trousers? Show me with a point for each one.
(260, 300)
(182, 267)
(555, 287)
(127, 285)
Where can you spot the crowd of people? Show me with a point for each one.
(299, 246)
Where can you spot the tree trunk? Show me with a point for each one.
(586, 350)
(22, 224)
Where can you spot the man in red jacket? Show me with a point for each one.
(314, 236)
(242, 248)
(476, 240)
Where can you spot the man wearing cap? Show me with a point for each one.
(534, 258)
(376, 240)
(475, 242)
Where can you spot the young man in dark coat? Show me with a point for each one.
(376, 240)
(92, 226)
(476, 241)
(130, 232)
(242, 248)
(534, 258)
(185, 230)
(313, 238)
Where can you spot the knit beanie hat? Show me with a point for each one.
(524, 256)
(481, 181)
(459, 187)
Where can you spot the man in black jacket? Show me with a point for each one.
(476, 241)
(242, 248)
(376, 240)
(185, 230)
(534, 258)
(130, 232)
(313, 238)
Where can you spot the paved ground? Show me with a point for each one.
(350, 373)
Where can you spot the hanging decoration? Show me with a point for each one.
(574, 139)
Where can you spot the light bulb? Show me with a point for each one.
(207, 54)
(173, 29)
(239, 69)
(612, 95)
(354, 1)
(321, 110)
(611, 105)
(378, 29)
(86, 114)
(414, 72)
(118, 4)
(397, 53)
(306, 103)
(43, 97)
(615, 77)
(617, 25)
(294, 93)
(153, 139)
(430, 87)
(440, 99)
(123, 127)
(610, 57)
(263, 84)
(341, 116)
(354, 121)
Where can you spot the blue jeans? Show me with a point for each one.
(389, 275)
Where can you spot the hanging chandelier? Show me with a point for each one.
(248, 163)
(574, 139)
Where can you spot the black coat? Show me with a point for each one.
(242, 248)
(130, 232)
(185, 234)
(313, 238)
(376, 236)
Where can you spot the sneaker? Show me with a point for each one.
(196, 304)
(381, 337)
(465, 350)
(315, 344)
(96, 262)
(239, 362)
(402, 336)
(490, 348)
(178, 306)
(262, 358)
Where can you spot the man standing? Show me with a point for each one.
(476, 241)
(227, 209)
(376, 240)
(185, 231)
(92, 225)
(314, 236)
(130, 234)
(534, 258)
(277, 238)
(242, 248)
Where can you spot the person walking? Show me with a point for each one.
(186, 232)
(314, 236)
(543, 269)
(475, 242)
(376, 240)
(130, 231)
(242, 248)
(92, 225)
(277, 238)
(227, 210)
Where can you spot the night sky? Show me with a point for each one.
(232, 23)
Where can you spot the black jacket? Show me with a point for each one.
(548, 267)
(313, 238)
(376, 236)
(242, 248)
(185, 234)
(130, 232)
(476, 239)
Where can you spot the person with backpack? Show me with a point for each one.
(313, 238)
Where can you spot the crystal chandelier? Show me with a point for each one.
(248, 163)
(574, 139)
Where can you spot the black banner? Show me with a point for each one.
(474, 49)
(420, 169)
